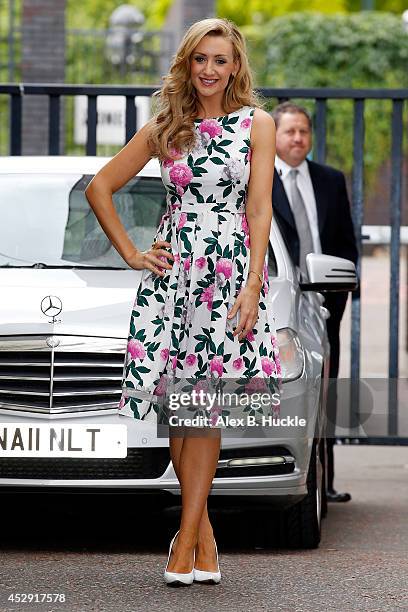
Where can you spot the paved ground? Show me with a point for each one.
(110, 556)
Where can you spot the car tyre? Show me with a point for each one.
(303, 520)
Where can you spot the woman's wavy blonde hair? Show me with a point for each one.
(172, 127)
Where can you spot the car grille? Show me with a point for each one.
(139, 463)
(56, 380)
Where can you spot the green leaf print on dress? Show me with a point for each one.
(179, 335)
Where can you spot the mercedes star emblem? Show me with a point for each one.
(51, 306)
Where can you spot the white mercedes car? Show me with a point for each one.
(66, 299)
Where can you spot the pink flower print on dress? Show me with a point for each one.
(250, 336)
(176, 257)
(248, 156)
(224, 266)
(191, 360)
(168, 163)
(201, 385)
(208, 295)
(268, 366)
(164, 354)
(161, 387)
(266, 278)
(265, 272)
(174, 362)
(255, 384)
(180, 190)
(181, 175)
(182, 220)
(211, 127)
(245, 123)
(246, 241)
(244, 225)
(201, 262)
(238, 363)
(136, 349)
(175, 153)
(216, 365)
(187, 264)
(163, 258)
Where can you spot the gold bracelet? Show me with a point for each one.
(258, 275)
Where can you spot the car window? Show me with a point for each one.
(140, 205)
(46, 219)
(272, 265)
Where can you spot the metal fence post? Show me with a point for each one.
(395, 223)
(16, 121)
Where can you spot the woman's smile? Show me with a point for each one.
(208, 82)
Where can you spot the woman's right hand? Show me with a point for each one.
(152, 259)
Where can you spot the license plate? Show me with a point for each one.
(49, 440)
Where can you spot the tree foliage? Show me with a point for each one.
(368, 49)
(259, 11)
(96, 13)
(392, 6)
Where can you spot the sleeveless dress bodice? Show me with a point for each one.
(179, 328)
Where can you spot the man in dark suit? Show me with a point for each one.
(311, 206)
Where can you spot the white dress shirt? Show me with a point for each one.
(305, 186)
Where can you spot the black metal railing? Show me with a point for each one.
(397, 97)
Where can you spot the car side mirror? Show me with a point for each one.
(328, 273)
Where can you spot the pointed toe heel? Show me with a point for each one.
(176, 579)
(204, 577)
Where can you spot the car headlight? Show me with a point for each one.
(291, 354)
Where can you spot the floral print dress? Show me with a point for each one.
(179, 328)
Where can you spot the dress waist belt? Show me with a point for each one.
(204, 207)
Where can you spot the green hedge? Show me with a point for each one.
(368, 49)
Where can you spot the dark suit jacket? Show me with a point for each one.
(333, 212)
(336, 232)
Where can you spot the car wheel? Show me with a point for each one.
(303, 520)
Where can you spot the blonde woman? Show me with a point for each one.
(201, 309)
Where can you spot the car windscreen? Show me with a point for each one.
(46, 218)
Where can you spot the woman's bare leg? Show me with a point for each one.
(197, 463)
(206, 558)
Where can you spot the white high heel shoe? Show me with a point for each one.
(176, 578)
(208, 577)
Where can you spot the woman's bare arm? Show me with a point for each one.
(259, 217)
(114, 175)
(259, 204)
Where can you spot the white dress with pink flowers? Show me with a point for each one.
(179, 335)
